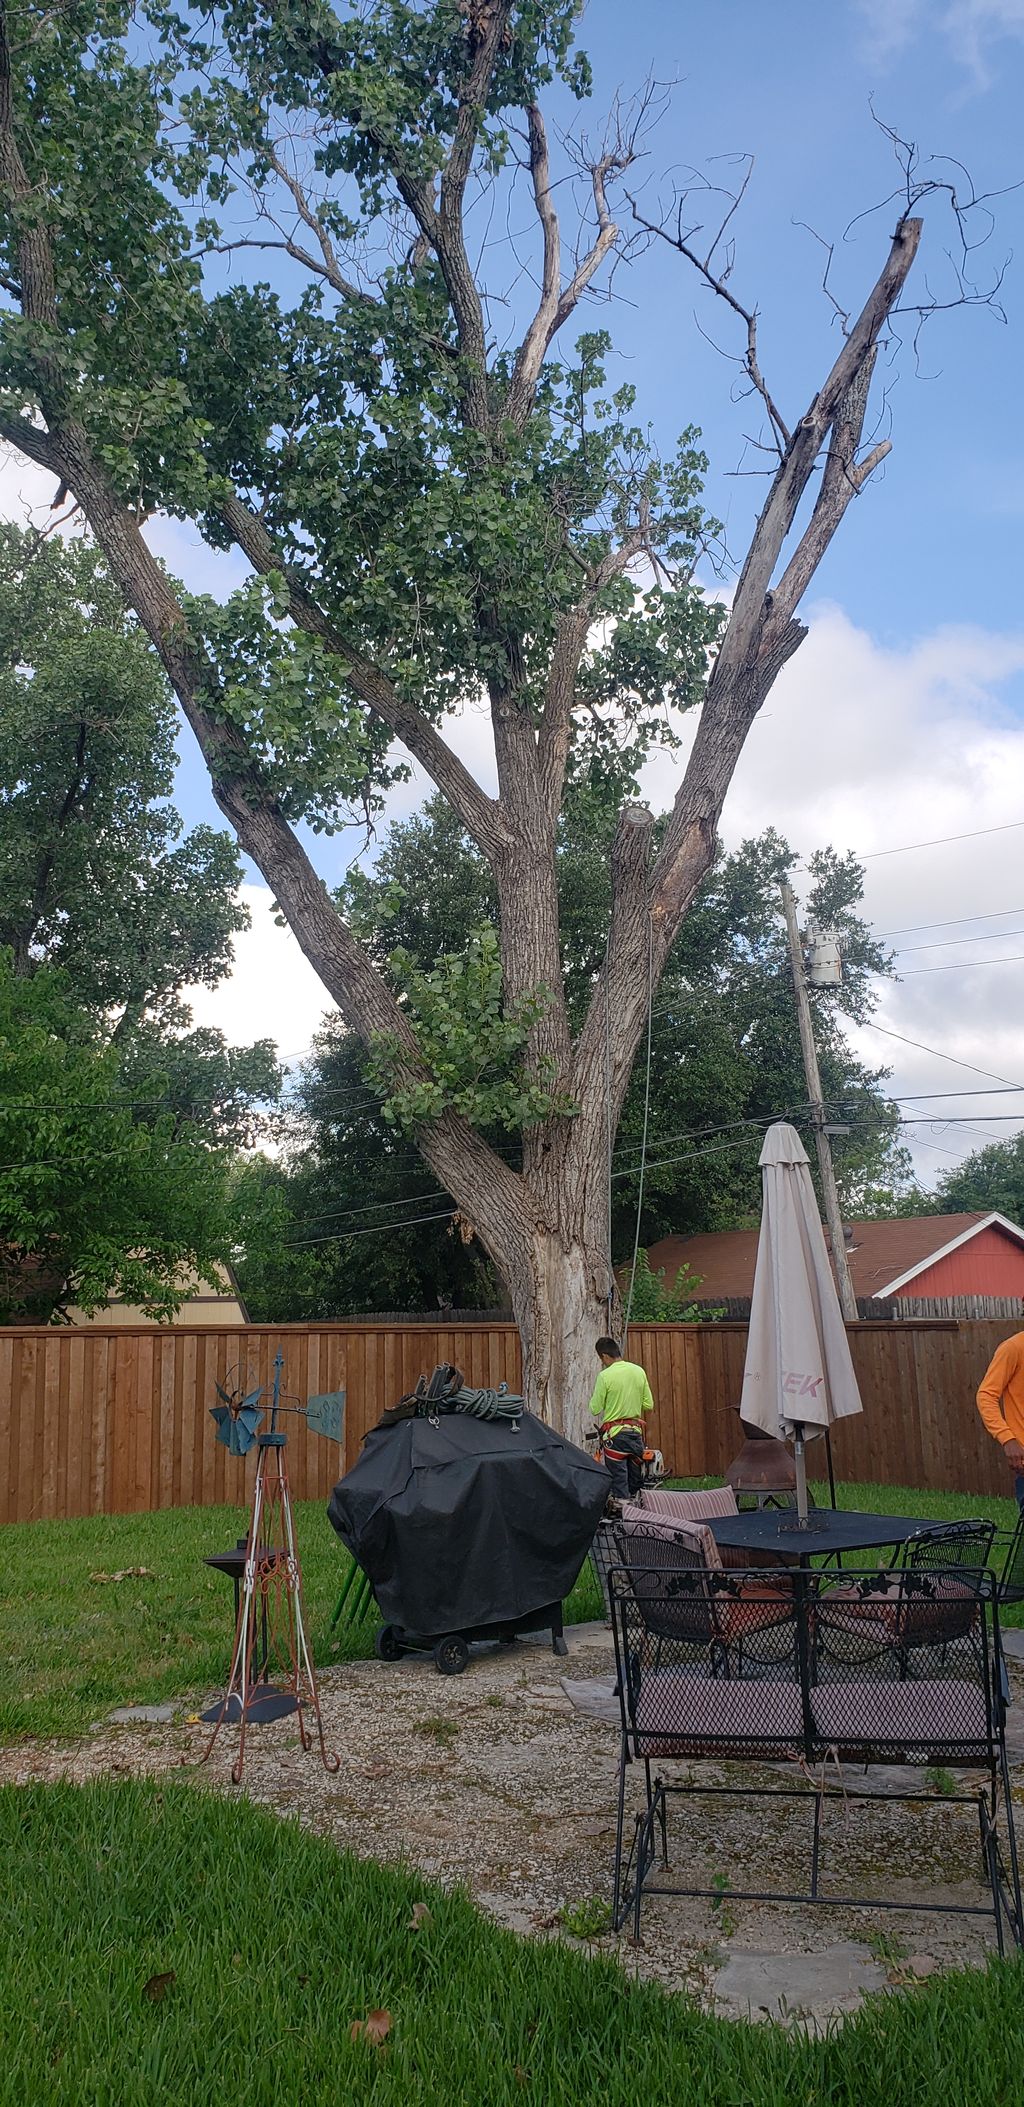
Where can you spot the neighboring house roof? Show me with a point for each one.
(884, 1257)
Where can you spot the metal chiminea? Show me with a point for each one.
(763, 1466)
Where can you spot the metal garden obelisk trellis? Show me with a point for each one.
(272, 1674)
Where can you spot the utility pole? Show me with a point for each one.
(847, 1298)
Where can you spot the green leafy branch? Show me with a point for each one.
(474, 1048)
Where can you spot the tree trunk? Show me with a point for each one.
(560, 1304)
(551, 1251)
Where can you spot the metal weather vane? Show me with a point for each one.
(272, 1674)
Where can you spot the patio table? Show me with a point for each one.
(828, 1530)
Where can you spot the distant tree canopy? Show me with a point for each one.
(991, 1180)
(95, 1201)
(117, 1116)
(725, 1059)
(96, 875)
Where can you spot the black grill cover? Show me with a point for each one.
(468, 1521)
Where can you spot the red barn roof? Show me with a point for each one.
(963, 1254)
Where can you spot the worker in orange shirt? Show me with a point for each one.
(1001, 1404)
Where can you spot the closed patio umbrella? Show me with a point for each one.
(798, 1375)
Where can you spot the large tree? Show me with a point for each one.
(440, 502)
(725, 1060)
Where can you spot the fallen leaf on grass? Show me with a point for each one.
(193, 1719)
(375, 2027)
(158, 1986)
(521, 2076)
(126, 1573)
(421, 1914)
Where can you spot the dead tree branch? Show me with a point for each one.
(683, 240)
(557, 302)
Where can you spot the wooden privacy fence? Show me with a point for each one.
(118, 1421)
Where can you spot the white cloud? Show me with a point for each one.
(868, 748)
(272, 993)
(971, 27)
(890, 24)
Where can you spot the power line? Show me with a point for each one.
(953, 922)
(759, 1119)
(966, 965)
(940, 841)
(921, 1097)
(690, 1156)
(954, 1060)
(171, 1104)
(379, 1229)
(957, 1119)
(947, 943)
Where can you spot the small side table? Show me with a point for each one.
(233, 1564)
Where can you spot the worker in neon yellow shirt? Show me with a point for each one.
(621, 1396)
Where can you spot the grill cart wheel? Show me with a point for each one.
(451, 1655)
(386, 1644)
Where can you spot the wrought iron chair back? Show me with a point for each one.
(1011, 1577)
(939, 1582)
(672, 1575)
(950, 1545)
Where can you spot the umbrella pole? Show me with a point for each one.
(831, 1468)
(800, 1462)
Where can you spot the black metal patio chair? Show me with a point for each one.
(676, 1566)
(814, 1706)
(927, 1600)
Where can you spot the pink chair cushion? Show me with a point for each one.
(696, 1507)
(686, 1713)
(853, 1715)
(638, 1522)
(692, 1506)
(916, 1618)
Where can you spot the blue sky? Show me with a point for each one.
(902, 718)
(793, 86)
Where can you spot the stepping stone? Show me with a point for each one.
(142, 1715)
(782, 1986)
(1013, 1644)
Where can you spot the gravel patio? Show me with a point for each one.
(497, 1781)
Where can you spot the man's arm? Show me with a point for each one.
(1001, 1367)
(597, 1395)
(647, 1400)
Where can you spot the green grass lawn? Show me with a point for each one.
(163, 1947)
(73, 1646)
